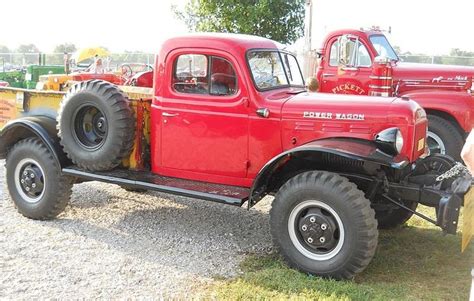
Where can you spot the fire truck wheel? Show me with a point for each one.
(34, 180)
(394, 217)
(323, 225)
(443, 137)
(96, 125)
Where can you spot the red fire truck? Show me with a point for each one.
(362, 62)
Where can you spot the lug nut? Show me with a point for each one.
(32, 175)
(322, 239)
(304, 228)
(312, 219)
(22, 181)
(27, 188)
(324, 227)
(310, 240)
(25, 173)
(33, 185)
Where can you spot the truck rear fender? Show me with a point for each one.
(32, 126)
(339, 155)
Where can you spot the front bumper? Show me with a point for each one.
(447, 201)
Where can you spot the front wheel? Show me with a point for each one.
(34, 180)
(323, 225)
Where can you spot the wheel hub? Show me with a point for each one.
(435, 144)
(90, 127)
(32, 180)
(317, 230)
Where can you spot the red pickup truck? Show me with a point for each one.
(229, 120)
(363, 62)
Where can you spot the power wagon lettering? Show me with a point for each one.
(336, 116)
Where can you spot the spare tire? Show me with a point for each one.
(96, 125)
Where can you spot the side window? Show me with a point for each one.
(190, 74)
(363, 57)
(223, 78)
(334, 55)
(355, 54)
(201, 74)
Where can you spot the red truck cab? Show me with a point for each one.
(351, 64)
(211, 89)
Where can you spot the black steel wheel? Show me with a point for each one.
(96, 125)
(90, 126)
(323, 225)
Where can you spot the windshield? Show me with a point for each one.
(383, 47)
(274, 69)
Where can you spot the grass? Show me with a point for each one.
(415, 262)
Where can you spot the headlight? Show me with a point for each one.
(399, 141)
(390, 141)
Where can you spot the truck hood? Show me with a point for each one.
(433, 75)
(327, 106)
(312, 116)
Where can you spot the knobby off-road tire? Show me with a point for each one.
(443, 130)
(96, 125)
(34, 180)
(392, 218)
(319, 204)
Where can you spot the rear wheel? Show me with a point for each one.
(34, 180)
(323, 225)
(443, 138)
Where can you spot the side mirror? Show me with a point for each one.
(343, 50)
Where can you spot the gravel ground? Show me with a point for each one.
(113, 243)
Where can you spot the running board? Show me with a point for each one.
(231, 195)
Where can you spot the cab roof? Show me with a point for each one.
(356, 32)
(222, 41)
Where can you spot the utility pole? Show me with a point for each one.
(308, 24)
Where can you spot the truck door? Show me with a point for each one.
(204, 122)
(347, 70)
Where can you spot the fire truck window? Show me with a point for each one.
(190, 74)
(333, 56)
(363, 57)
(223, 78)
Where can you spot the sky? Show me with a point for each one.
(423, 26)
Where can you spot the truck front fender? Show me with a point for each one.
(332, 154)
(33, 126)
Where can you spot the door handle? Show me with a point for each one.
(166, 114)
(328, 74)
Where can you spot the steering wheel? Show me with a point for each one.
(127, 71)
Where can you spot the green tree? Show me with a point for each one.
(66, 47)
(27, 48)
(4, 49)
(280, 20)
